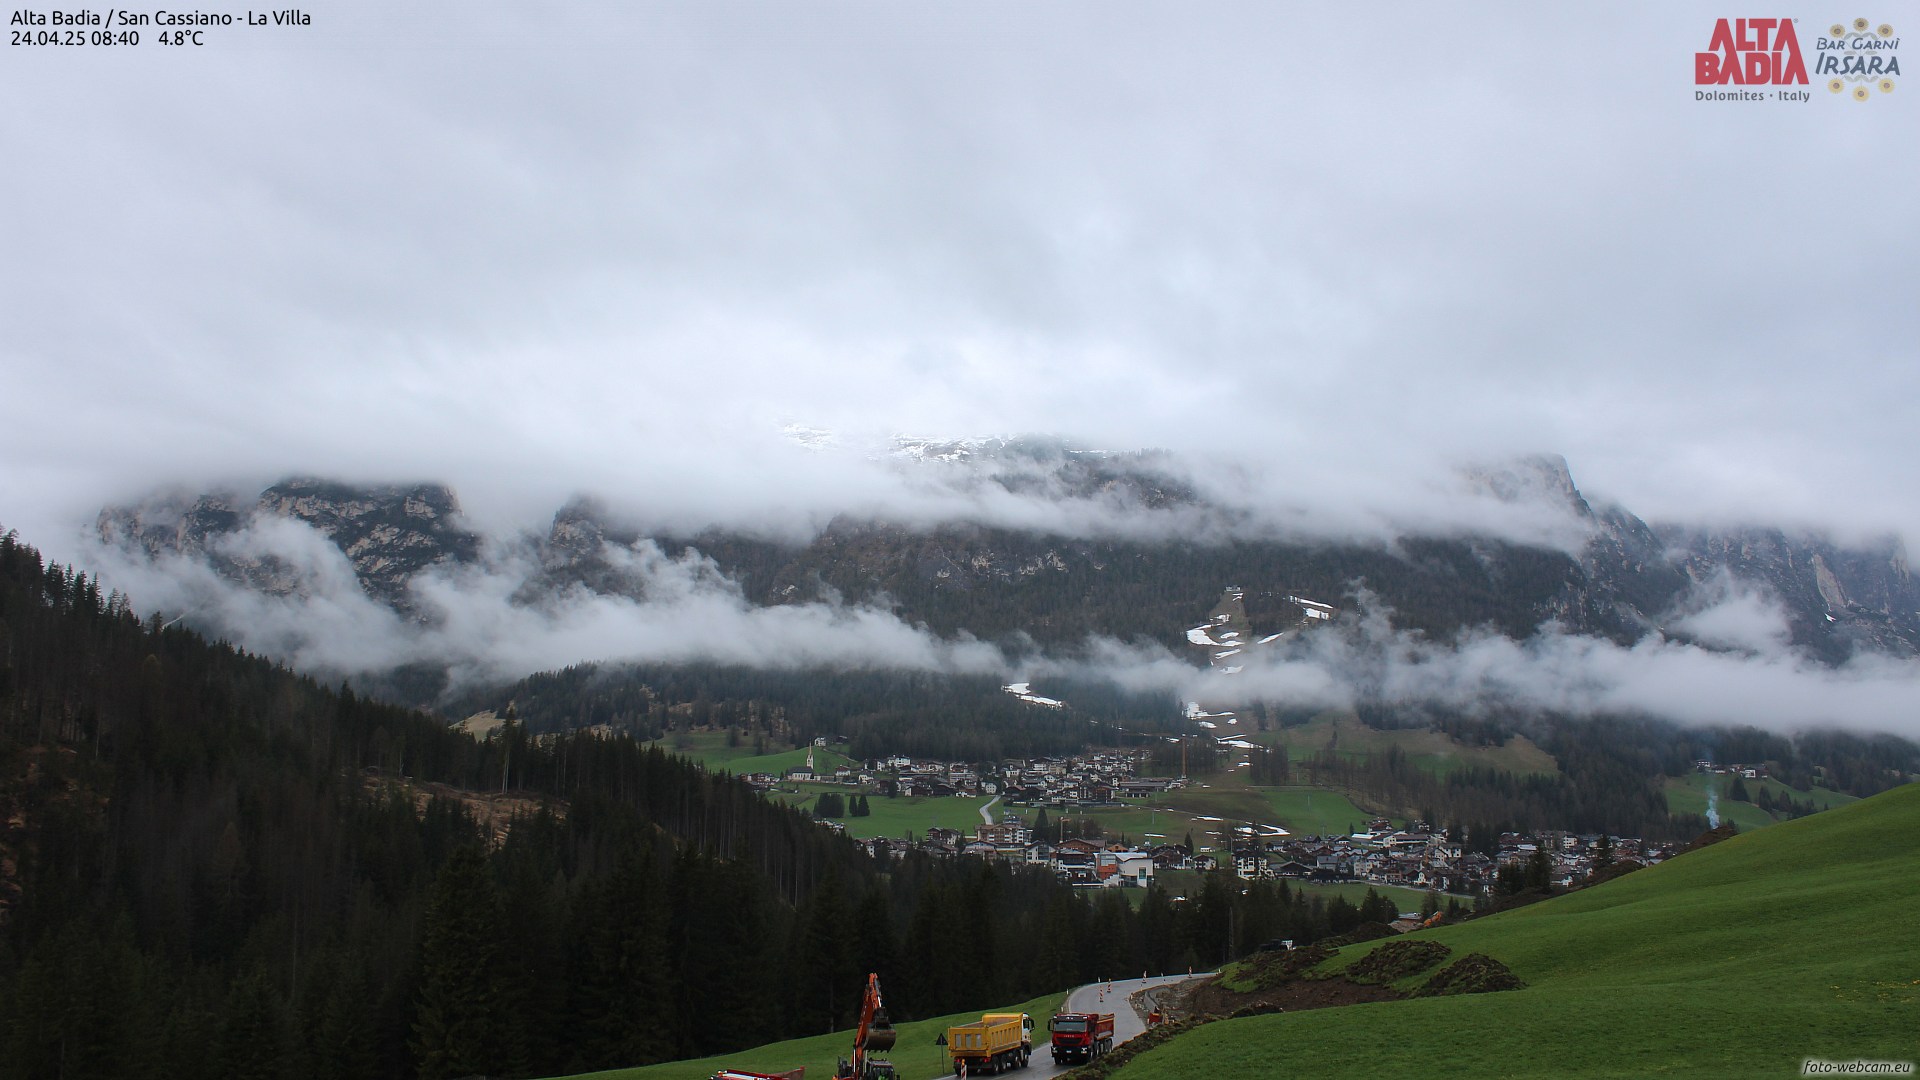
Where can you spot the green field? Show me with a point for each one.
(915, 1054)
(1824, 798)
(1345, 734)
(1742, 959)
(1405, 900)
(1688, 795)
(710, 749)
(1306, 811)
(896, 816)
(1218, 801)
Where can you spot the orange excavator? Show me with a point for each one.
(875, 1035)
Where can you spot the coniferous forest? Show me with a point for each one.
(212, 865)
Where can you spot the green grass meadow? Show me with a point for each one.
(1742, 959)
(896, 816)
(914, 1054)
(710, 749)
(1688, 795)
(1345, 734)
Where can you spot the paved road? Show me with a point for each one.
(1094, 998)
(986, 812)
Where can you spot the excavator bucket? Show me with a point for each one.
(880, 1036)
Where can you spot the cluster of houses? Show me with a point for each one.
(1103, 779)
(1081, 862)
(1750, 772)
(1414, 857)
(1417, 857)
(1409, 858)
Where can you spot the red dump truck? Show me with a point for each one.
(1080, 1037)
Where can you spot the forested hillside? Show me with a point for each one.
(928, 714)
(212, 868)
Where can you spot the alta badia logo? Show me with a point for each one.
(1859, 59)
(1751, 52)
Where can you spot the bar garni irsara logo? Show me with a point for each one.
(1761, 60)
(1858, 58)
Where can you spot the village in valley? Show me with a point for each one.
(1045, 807)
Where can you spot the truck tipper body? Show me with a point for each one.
(1081, 1037)
(994, 1043)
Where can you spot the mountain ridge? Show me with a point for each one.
(1629, 578)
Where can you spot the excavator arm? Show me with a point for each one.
(875, 1035)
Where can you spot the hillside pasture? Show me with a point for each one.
(1343, 733)
(1742, 959)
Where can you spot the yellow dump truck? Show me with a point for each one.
(995, 1042)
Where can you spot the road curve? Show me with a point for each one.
(1094, 997)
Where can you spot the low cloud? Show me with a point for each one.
(472, 620)
(1364, 660)
(1733, 614)
(476, 622)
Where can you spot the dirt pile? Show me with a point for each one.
(1709, 838)
(1295, 980)
(1264, 971)
(1395, 961)
(1366, 931)
(1284, 982)
(1475, 973)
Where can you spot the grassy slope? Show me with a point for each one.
(1309, 811)
(1430, 750)
(899, 815)
(1688, 795)
(710, 749)
(915, 1053)
(1739, 960)
(1229, 801)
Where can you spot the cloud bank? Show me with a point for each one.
(476, 623)
(624, 261)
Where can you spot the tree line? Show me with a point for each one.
(879, 712)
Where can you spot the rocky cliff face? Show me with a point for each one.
(1840, 600)
(388, 534)
(1622, 583)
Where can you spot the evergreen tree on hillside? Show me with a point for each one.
(623, 988)
(253, 1042)
(1377, 908)
(460, 1019)
(875, 946)
(1060, 952)
(822, 973)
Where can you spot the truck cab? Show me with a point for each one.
(1081, 1037)
(1026, 1026)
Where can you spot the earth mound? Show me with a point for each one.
(1395, 961)
(1475, 973)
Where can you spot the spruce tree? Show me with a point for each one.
(459, 1019)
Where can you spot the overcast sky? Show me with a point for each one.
(540, 248)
